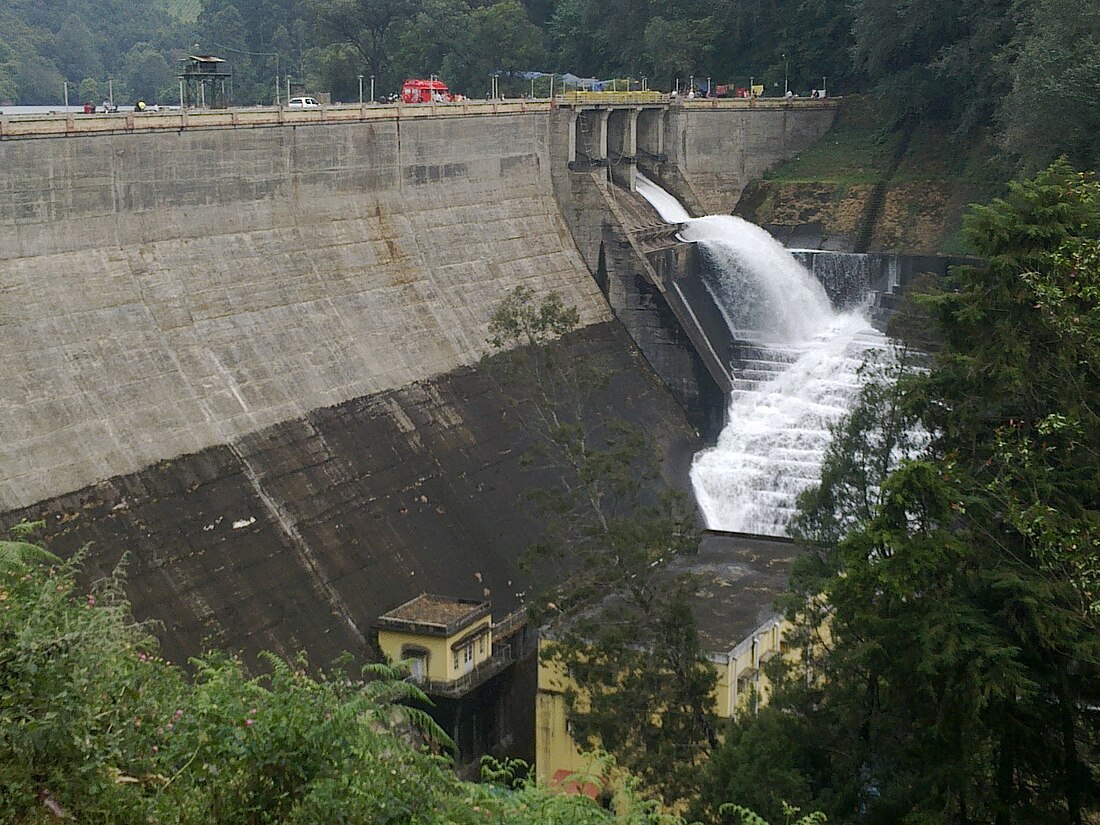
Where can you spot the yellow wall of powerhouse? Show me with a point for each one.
(740, 681)
(555, 749)
(441, 665)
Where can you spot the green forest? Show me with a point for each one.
(1027, 69)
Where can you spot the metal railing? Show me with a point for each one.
(598, 98)
(511, 623)
(71, 124)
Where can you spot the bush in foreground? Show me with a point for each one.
(95, 726)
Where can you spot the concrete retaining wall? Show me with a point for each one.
(246, 356)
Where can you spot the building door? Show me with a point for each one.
(417, 658)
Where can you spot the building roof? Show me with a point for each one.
(434, 615)
(739, 579)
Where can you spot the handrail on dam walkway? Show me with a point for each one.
(71, 124)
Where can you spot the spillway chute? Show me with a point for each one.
(795, 375)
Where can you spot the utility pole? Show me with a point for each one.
(66, 97)
(360, 90)
(372, 97)
(288, 90)
(110, 92)
(786, 75)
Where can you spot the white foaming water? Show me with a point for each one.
(765, 293)
(667, 206)
(796, 375)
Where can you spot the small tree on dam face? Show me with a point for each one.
(623, 627)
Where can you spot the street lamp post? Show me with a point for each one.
(372, 97)
(786, 75)
(66, 97)
(751, 78)
(360, 90)
(288, 89)
(111, 92)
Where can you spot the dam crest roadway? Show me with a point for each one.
(175, 119)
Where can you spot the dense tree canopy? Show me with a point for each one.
(96, 727)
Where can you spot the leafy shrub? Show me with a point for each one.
(95, 726)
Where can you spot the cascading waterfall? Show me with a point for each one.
(797, 372)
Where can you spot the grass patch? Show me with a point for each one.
(856, 150)
(939, 176)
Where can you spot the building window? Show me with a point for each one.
(456, 660)
(481, 645)
(468, 653)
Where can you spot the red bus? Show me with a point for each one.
(425, 91)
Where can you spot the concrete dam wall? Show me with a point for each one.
(166, 293)
(250, 359)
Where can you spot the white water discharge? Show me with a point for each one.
(797, 371)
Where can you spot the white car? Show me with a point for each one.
(303, 103)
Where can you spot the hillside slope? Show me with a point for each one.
(900, 192)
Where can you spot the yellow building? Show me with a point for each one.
(739, 579)
(479, 674)
(449, 642)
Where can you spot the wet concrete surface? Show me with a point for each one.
(298, 536)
